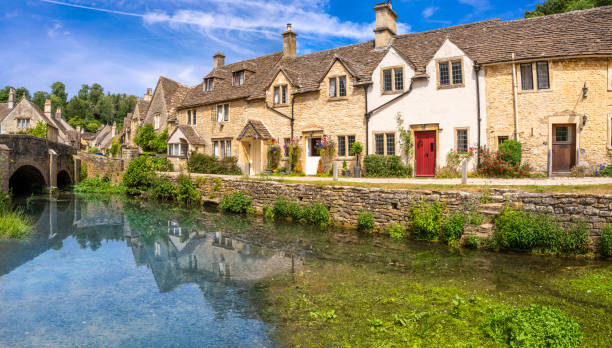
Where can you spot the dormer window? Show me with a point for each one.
(337, 87)
(280, 94)
(392, 80)
(450, 73)
(208, 84)
(238, 78)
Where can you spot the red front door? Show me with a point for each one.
(425, 153)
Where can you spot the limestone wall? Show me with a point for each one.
(393, 205)
(100, 166)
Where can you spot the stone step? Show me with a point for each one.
(483, 231)
(495, 205)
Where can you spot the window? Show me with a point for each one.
(526, 77)
(194, 118)
(156, 121)
(501, 139)
(563, 134)
(280, 95)
(542, 73)
(238, 78)
(350, 140)
(222, 148)
(332, 88)
(444, 74)
(342, 86)
(208, 84)
(223, 113)
(384, 144)
(379, 140)
(462, 140)
(341, 146)
(399, 79)
(177, 150)
(450, 73)
(387, 81)
(287, 141)
(284, 94)
(189, 117)
(276, 95)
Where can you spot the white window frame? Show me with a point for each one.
(238, 78)
(209, 84)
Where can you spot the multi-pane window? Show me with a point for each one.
(342, 86)
(563, 134)
(223, 113)
(350, 140)
(238, 78)
(462, 140)
(384, 144)
(191, 117)
(283, 94)
(450, 73)
(208, 84)
(542, 73)
(393, 79)
(341, 146)
(280, 95)
(332, 88)
(23, 123)
(177, 150)
(276, 95)
(526, 77)
(222, 148)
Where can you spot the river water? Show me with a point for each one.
(120, 273)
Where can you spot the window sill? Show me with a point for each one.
(334, 99)
(392, 92)
(530, 91)
(451, 86)
(280, 105)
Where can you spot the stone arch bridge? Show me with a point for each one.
(30, 164)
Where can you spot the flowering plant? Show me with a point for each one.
(495, 164)
(295, 150)
(274, 154)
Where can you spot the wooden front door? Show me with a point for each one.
(425, 153)
(563, 147)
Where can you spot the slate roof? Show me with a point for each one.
(4, 111)
(255, 129)
(143, 107)
(578, 33)
(190, 134)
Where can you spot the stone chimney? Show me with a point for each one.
(289, 42)
(149, 95)
(11, 98)
(58, 113)
(218, 60)
(114, 129)
(386, 24)
(48, 108)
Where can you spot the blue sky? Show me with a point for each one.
(125, 45)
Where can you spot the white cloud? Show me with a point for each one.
(57, 30)
(479, 5)
(430, 11)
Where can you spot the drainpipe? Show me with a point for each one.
(367, 119)
(515, 96)
(477, 70)
(292, 115)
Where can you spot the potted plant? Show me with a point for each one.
(357, 149)
(345, 169)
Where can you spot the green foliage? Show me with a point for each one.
(98, 186)
(472, 241)
(476, 218)
(40, 130)
(606, 241)
(162, 189)
(295, 151)
(187, 191)
(405, 139)
(274, 154)
(6, 202)
(139, 175)
(236, 203)
(93, 150)
(513, 151)
(205, 164)
(549, 7)
(365, 222)
(385, 166)
(534, 326)
(315, 214)
(357, 148)
(268, 213)
(19, 93)
(327, 315)
(453, 228)
(281, 207)
(396, 231)
(83, 172)
(519, 230)
(115, 148)
(149, 141)
(14, 224)
(427, 220)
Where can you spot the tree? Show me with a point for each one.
(149, 141)
(549, 7)
(39, 99)
(58, 96)
(39, 131)
(19, 93)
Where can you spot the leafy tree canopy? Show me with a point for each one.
(151, 142)
(549, 7)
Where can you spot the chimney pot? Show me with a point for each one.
(11, 98)
(386, 24)
(48, 108)
(149, 95)
(218, 60)
(289, 42)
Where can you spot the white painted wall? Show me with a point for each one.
(426, 104)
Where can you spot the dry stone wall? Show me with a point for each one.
(100, 166)
(394, 205)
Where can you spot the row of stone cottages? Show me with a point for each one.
(545, 81)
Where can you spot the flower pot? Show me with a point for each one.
(357, 172)
(346, 173)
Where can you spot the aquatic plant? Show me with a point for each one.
(98, 186)
(427, 220)
(396, 231)
(606, 241)
(14, 224)
(237, 203)
(365, 222)
(187, 191)
(453, 228)
(315, 214)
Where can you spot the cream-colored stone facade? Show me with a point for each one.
(563, 103)
(315, 115)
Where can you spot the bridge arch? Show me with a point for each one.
(27, 179)
(63, 180)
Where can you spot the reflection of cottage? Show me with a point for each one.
(105, 137)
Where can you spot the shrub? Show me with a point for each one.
(151, 142)
(365, 222)
(604, 170)
(163, 189)
(453, 227)
(385, 166)
(83, 172)
(281, 207)
(497, 164)
(138, 175)
(396, 231)
(472, 241)
(606, 242)
(519, 230)
(427, 220)
(97, 185)
(205, 164)
(315, 214)
(274, 154)
(237, 203)
(295, 150)
(268, 212)
(14, 224)
(534, 326)
(187, 191)
(512, 151)
(40, 130)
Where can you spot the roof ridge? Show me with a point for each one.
(557, 15)
(458, 26)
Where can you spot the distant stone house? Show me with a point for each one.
(134, 120)
(162, 110)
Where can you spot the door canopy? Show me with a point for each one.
(256, 130)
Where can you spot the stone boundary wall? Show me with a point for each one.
(100, 166)
(394, 205)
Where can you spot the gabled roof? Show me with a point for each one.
(255, 129)
(4, 111)
(143, 107)
(190, 134)
(174, 92)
